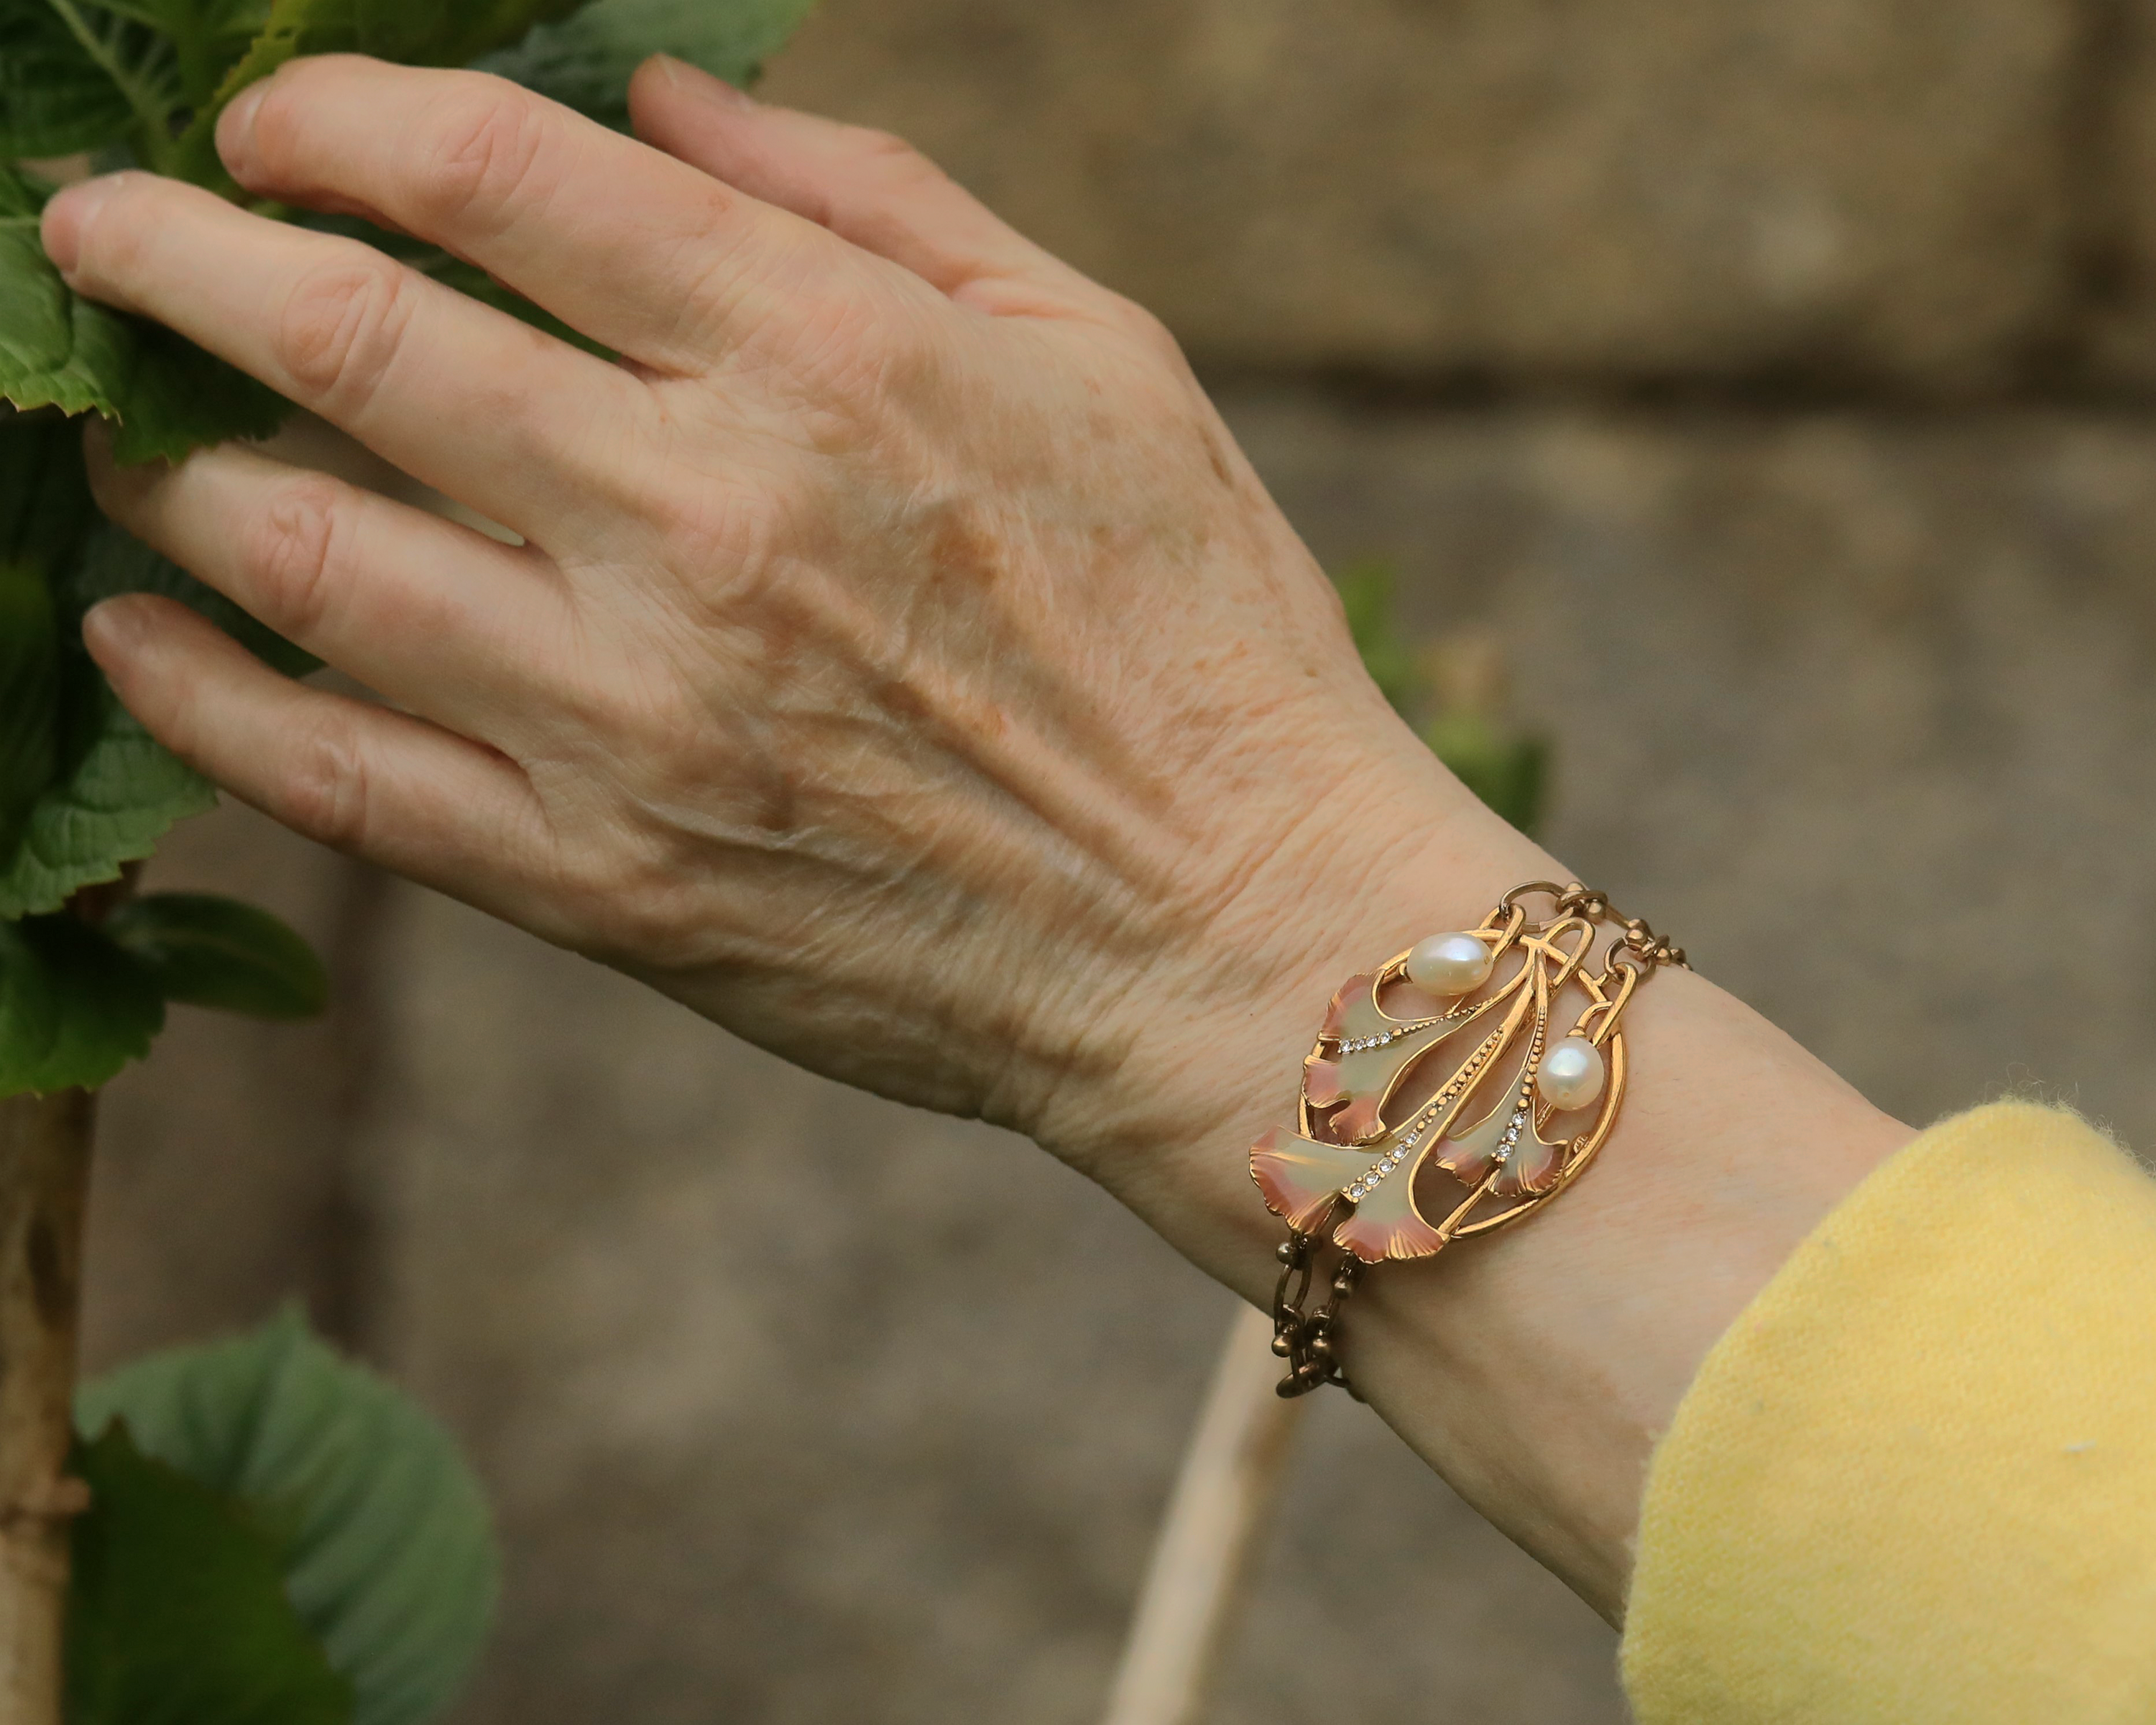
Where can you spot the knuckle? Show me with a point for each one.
(888, 150)
(327, 792)
(726, 536)
(1141, 327)
(482, 148)
(290, 554)
(341, 328)
(636, 911)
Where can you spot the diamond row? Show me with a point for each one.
(1511, 1137)
(1356, 1045)
(1383, 1165)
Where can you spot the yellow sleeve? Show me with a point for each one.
(1915, 1481)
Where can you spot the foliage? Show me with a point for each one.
(382, 1536)
(585, 60)
(1451, 689)
(215, 951)
(74, 1007)
(275, 1536)
(289, 1497)
(178, 1614)
(85, 791)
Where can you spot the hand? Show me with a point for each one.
(901, 666)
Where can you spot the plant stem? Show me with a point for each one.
(1216, 1521)
(44, 1166)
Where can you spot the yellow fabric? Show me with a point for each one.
(1915, 1481)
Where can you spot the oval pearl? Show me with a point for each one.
(1449, 964)
(1572, 1074)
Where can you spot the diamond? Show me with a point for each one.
(1355, 1190)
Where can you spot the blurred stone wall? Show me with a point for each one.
(1774, 378)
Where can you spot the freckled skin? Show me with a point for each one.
(899, 665)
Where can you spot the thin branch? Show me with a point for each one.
(1215, 1523)
(44, 1166)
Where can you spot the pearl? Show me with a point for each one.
(1572, 1074)
(1449, 964)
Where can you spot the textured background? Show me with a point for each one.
(1774, 378)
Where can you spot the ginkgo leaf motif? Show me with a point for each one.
(1386, 1222)
(1505, 1141)
(1301, 1178)
(1373, 1051)
(1480, 1124)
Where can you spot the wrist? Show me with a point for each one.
(1534, 1368)
(1210, 1054)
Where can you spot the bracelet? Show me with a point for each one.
(1374, 1114)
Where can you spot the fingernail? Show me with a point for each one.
(68, 220)
(116, 625)
(235, 126)
(695, 81)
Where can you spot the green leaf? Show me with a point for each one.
(178, 398)
(208, 37)
(1366, 590)
(29, 696)
(119, 791)
(55, 349)
(45, 507)
(178, 1613)
(115, 562)
(45, 510)
(74, 1007)
(55, 97)
(218, 952)
(1505, 772)
(413, 33)
(166, 395)
(391, 1563)
(586, 60)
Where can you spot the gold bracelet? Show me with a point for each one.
(1370, 1119)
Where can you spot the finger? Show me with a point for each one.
(412, 369)
(363, 779)
(438, 618)
(631, 248)
(868, 187)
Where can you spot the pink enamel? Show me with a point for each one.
(1357, 1123)
(1300, 1177)
(1357, 992)
(1532, 1169)
(1385, 1223)
(1469, 1153)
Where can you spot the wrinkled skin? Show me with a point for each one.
(898, 664)
(820, 694)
